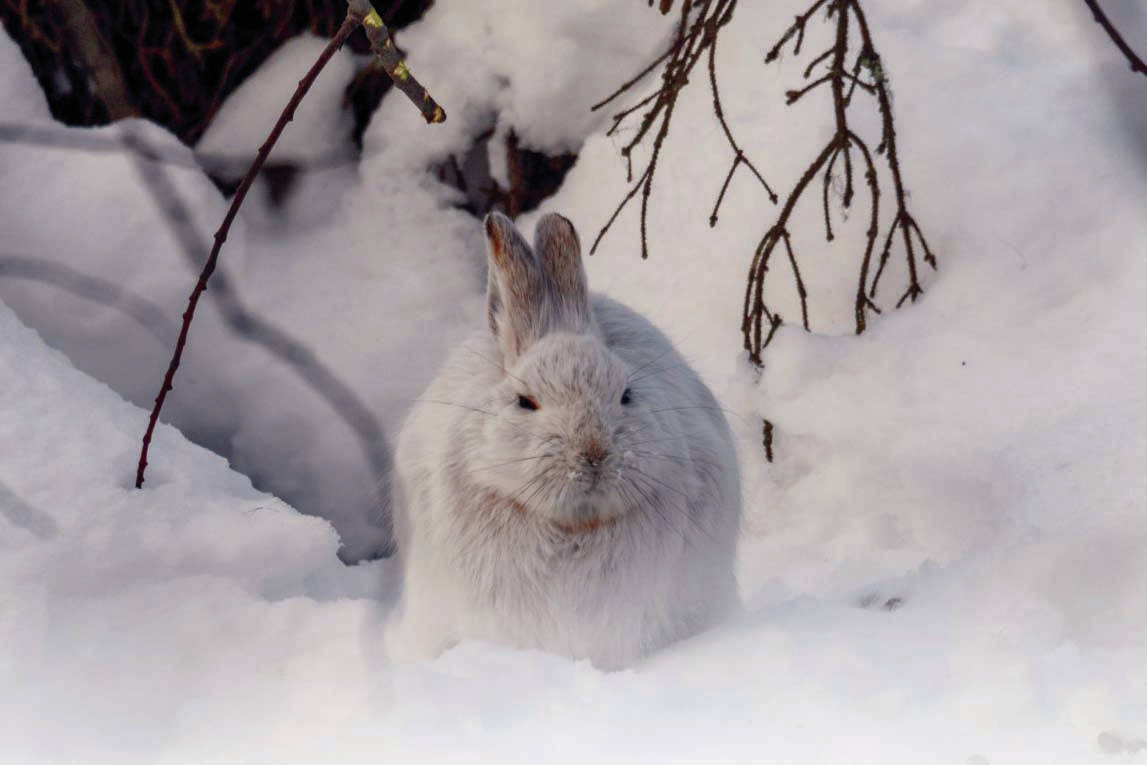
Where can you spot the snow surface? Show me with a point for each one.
(319, 137)
(946, 563)
(320, 127)
(20, 94)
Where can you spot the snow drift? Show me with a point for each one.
(945, 563)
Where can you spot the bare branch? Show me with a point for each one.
(383, 47)
(698, 29)
(797, 28)
(249, 326)
(288, 113)
(1137, 63)
(358, 12)
(848, 19)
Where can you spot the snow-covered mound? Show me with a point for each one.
(320, 129)
(122, 611)
(945, 563)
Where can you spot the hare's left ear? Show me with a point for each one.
(559, 254)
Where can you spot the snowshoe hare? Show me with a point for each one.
(566, 482)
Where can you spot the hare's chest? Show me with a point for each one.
(506, 564)
(549, 570)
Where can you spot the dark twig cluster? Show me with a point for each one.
(1137, 63)
(359, 12)
(695, 41)
(174, 62)
(843, 72)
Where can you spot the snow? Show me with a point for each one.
(318, 137)
(945, 563)
(20, 94)
(319, 130)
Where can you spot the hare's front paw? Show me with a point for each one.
(412, 637)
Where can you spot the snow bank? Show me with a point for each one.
(972, 464)
(945, 563)
(124, 612)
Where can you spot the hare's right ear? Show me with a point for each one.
(515, 289)
(559, 254)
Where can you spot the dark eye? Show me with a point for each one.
(626, 397)
(527, 403)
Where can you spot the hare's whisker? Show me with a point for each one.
(451, 403)
(684, 511)
(510, 462)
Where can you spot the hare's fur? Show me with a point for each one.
(601, 523)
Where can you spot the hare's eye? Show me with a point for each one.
(527, 403)
(626, 397)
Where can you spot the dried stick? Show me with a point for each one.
(843, 81)
(1137, 64)
(358, 12)
(251, 327)
(903, 219)
(383, 47)
(694, 41)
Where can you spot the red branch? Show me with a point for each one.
(358, 12)
(349, 24)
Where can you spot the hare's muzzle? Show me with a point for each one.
(595, 453)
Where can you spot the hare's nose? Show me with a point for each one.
(595, 453)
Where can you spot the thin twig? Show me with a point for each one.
(392, 62)
(695, 40)
(358, 12)
(348, 26)
(754, 297)
(796, 28)
(1137, 63)
(847, 16)
(903, 218)
(739, 157)
(249, 326)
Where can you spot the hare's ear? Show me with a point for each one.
(559, 253)
(515, 289)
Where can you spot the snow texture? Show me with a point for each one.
(945, 563)
(318, 141)
(320, 128)
(20, 94)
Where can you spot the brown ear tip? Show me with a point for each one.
(491, 223)
(496, 226)
(556, 226)
(556, 219)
